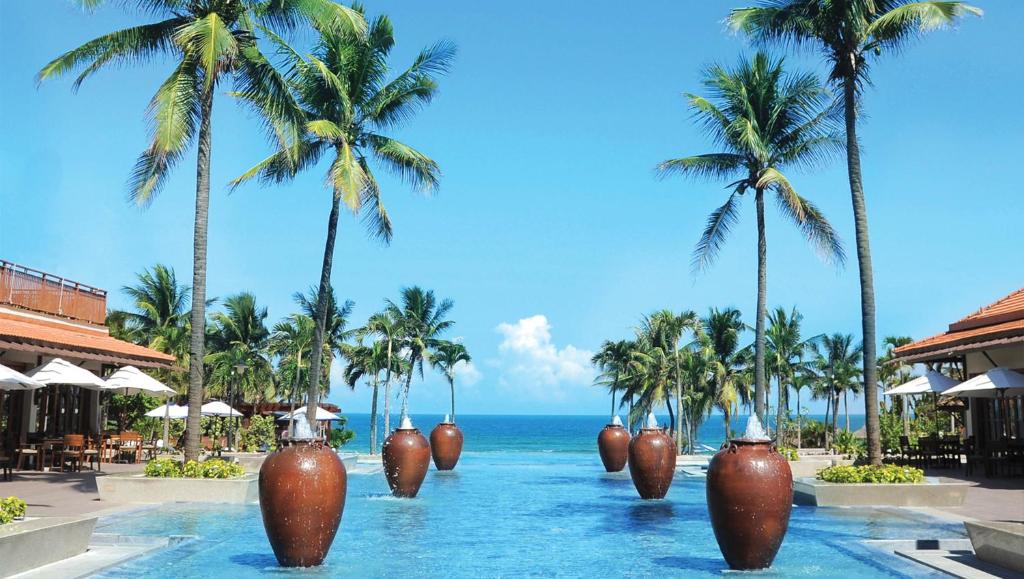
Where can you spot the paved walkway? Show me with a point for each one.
(50, 494)
(988, 499)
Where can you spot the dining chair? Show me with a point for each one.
(70, 453)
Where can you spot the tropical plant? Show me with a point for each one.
(446, 356)
(291, 342)
(346, 103)
(890, 375)
(666, 329)
(210, 41)
(613, 359)
(422, 322)
(369, 362)
(847, 33)
(336, 331)
(387, 327)
(341, 434)
(764, 121)
(784, 347)
(238, 358)
(260, 435)
(836, 359)
(697, 368)
(723, 328)
(877, 474)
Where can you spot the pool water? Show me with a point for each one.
(516, 514)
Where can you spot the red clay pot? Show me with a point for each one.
(613, 445)
(446, 445)
(302, 496)
(750, 496)
(652, 462)
(406, 456)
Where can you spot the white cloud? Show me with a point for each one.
(531, 364)
(467, 374)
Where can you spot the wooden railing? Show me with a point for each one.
(46, 293)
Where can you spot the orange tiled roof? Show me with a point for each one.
(1001, 322)
(54, 338)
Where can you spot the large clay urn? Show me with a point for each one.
(302, 496)
(613, 445)
(446, 445)
(750, 495)
(652, 461)
(406, 456)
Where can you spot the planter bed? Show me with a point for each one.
(136, 488)
(999, 543)
(934, 492)
(32, 543)
(808, 466)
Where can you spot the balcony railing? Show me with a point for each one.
(49, 294)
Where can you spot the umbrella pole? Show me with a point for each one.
(167, 421)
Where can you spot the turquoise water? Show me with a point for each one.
(522, 514)
(487, 433)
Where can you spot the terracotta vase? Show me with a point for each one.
(750, 496)
(652, 462)
(613, 446)
(302, 496)
(406, 456)
(446, 445)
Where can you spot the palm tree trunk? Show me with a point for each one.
(387, 394)
(824, 425)
(629, 418)
(799, 422)
(780, 414)
(373, 417)
(762, 310)
(867, 289)
(451, 384)
(671, 414)
(679, 401)
(846, 409)
(322, 299)
(405, 392)
(295, 389)
(906, 415)
(835, 413)
(197, 342)
(612, 415)
(726, 418)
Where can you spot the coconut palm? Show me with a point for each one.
(613, 359)
(891, 375)
(848, 33)
(238, 359)
(837, 358)
(292, 342)
(784, 347)
(422, 322)
(723, 328)
(804, 377)
(697, 367)
(348, 103)
(366, 362)
(210, 41)
(386, 326)
(667, 330)
(764, 121)
(336, 331)
(446, 356)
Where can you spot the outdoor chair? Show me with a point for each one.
(91, 453)
(70, 454)
(131, 446)
(908, 454)
(149, 449)
(972, 456)
(30, 452)
(5, 465)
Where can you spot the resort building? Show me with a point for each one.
(42, 317)
(992, 337)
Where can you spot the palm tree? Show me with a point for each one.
(697, 366)
(292, 341)
(613, 359)
(723, 328)
(667, 329)
(367, 361)
(784, 348)
(387, 327)
(210, 41)
(765, 121)
(891, 375)
(804, 377)
(238, 358)
(847, 33)
(446, 356)
(836, 359)
(336, 331)
(347, 103)
(423, 322)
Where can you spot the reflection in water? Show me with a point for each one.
(649, 515)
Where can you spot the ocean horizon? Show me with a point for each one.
(569, 433)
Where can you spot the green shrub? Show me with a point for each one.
(885, 474)
(340, 434)
(163, 468)
(789, 453)
(259, 436)
(848, 444)
(12, 508)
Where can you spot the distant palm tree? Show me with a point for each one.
(667, 329)
(335, 333)
(292, 342)
(209, 40)
(847, 33)
(238, 358)
(765, 121)
(347, 103)
(367, 362)
(386, 326)
(784, 348)
(446, 356)
(891, 375)
(804, 377)
(697, 366)
(613, 359)
(723, 328)
(836, 359)
(422, 322)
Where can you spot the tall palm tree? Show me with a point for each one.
(238, 358)
(723, 328)
(423, 323)
(335, 333)
(613, 359)
(837, 358)
(292, 342)
(784, 347)
(446, 356)
(387, 327)
(667, 329)
(764, 121)
(891, 375)
(804, 377)
(348, 103)
(848, 33)
(366, 361)
(210, 41)
(697, 365)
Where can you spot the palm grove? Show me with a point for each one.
(336, 105)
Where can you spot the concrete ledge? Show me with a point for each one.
(998, 543)
(933, 492)
(26, 545)
(136, 488)
(250, 461)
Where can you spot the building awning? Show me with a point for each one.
(998, 324)
(47, 338)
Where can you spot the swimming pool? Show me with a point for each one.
(515, 514)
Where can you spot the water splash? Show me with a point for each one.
(406, 424)
(302, 429)
(447, 419)
(652, 422)
(616, 421)
(754, 429)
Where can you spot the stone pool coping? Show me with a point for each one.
(32, 543)
(137, 488)
(999, 543)
(934, 492)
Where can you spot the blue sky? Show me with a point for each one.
(549, 230)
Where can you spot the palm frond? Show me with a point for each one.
(716, 230)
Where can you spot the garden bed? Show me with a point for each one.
(138, 488)
(933, 492)
(32, 543)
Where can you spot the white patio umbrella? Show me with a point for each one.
(172, 411)
(218, 408)
(932, 381)
(321, 414)
(995, 383)
(14, 380)
(59, 371)
(131, 380)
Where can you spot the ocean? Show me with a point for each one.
(538, 433)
